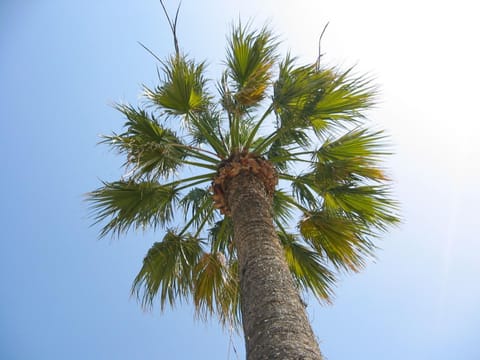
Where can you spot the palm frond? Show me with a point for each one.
(216, 288)
(343, 172)
(282, 207)
(279, 145)
(226, 94)
(221, 237)
(203, 125)
(341, 240)
(127, 204)
(345, 98)
(307, 268)
(177, 269)
(297, 92)
(332, 173)
(279, 156)
(244, 130)
(151, 150)
(371, 205)
(305, 97)
(197, 205)
(183, 88)
(250, 57)
(168, 270)
(303, 189)
(353, 157)
(358, 143)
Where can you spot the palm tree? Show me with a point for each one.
(279, 142)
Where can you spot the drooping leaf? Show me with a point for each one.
(168, 270)
(338, 238)
(216, 288)
(221, 237)
(307, 267)
(127, 204)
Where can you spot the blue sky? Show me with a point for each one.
(65, 294)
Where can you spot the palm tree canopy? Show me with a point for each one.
(300, 127)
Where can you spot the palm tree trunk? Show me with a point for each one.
(274, 320)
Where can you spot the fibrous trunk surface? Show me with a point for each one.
(274, 319)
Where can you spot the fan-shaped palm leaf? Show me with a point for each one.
(338, 238)
(216, 288)
(126, 204)
(198, 206)
(168, 270)
(183, 89)
(151, 150)
(250, 57)
(307, 267)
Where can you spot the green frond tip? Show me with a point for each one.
(303, 189)
(178, 269)
(127, 204)
(216, 288)
(318, 99)
(282, 207)
(198, 206)
(168, 270)
(183, 88)
(359, 143)
(307, 268)
(346, 98)
(340, 240)
(220, 235)
(372, 205)
(152, 151)
(250, 57)
(205, 128)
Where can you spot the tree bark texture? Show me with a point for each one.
(274, 319)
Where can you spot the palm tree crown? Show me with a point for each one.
(299, 128)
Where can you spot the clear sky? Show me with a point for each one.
(65, 294)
